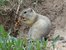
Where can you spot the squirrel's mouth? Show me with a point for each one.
(24, 19)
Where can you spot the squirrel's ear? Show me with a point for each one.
(31, 10)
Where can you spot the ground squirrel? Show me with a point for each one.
(40, 25)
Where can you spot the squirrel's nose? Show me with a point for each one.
(23, 18)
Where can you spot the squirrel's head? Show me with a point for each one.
(28, 15)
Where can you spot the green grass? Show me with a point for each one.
(11, 43)
(3, 2)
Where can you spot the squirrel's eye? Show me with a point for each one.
(25, 12)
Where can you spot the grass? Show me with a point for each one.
(8, 42)
(3, 2)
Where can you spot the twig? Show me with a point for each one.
(20, 2)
